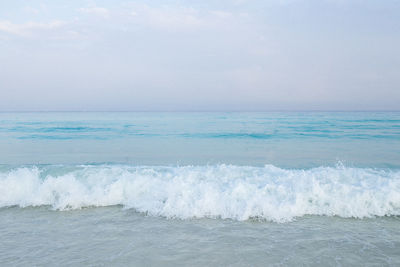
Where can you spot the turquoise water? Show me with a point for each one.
(286, 139)
(244, 189)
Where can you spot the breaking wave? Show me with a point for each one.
(221, 191)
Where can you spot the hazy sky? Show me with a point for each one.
(200, 55)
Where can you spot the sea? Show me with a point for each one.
(200, 189)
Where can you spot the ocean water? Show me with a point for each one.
(195, 189)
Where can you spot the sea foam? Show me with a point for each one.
(221, 191)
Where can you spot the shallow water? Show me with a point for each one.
(113, 236)
(241, 189)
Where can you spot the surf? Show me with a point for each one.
(216, 191)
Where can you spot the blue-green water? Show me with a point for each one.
(286, 139)
(246, 189)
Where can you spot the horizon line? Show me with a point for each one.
(206, 111)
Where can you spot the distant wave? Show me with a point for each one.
(221, 191)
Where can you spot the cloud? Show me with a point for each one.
(28, 29)
(261, 52)
(98, 11)
(179, 18)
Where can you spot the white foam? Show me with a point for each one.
(222, 191)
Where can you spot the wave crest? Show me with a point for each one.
(222, 191)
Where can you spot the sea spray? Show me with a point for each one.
(220, 191)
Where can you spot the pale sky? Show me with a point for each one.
(199, 55)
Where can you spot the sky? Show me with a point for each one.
(226, 55)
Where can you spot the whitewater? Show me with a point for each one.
(222, 191)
